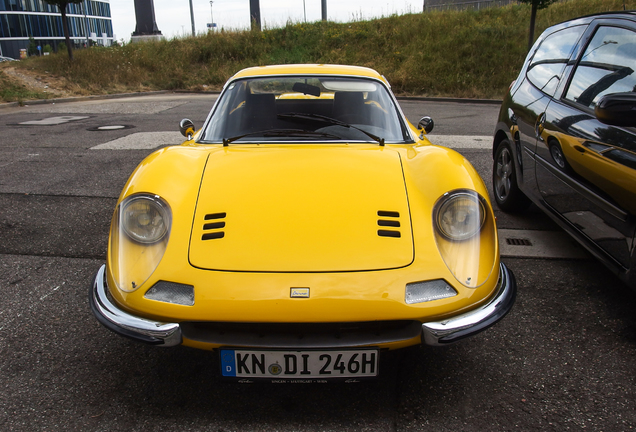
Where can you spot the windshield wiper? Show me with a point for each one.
(280, 132)
(333, 121)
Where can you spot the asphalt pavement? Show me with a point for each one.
(563, 359)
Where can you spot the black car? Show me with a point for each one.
(566, 136)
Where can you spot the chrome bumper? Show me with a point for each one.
(433, 333)
(470, 323)
(125, 324)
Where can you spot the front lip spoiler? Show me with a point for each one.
(125, 324)
(433, 333)
(470, 323)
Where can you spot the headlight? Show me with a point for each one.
(459, 215)
(466, 236)
(145, 219)
(139, 236)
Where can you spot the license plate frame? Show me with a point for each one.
(299, 365)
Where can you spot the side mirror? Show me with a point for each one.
(618, 109)
(186, 127)
(426, 123)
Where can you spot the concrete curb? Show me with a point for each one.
(159, 92)
(81, 98)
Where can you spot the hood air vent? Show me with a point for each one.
(389, 219)
(210, 229)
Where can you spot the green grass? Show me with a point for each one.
(11, 92)
(445, 53)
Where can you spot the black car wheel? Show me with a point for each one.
(504, 179)
(559, 158)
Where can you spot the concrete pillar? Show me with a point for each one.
(255, 14)
(146, 28)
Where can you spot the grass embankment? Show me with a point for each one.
(472, 54)
(10, 91)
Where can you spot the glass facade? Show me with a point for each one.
(24, 19)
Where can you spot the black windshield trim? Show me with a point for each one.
(280, 132)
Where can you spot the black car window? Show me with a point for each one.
(607, 66)
(550, 59)
(622, 157)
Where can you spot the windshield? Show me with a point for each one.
(305, 108)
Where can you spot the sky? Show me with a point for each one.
(173, 16)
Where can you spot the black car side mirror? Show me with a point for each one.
(618, 109)
(426, 123)
(186, 127)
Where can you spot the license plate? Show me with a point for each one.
(317, 364)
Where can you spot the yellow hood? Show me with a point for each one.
(302, 209)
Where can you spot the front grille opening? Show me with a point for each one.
(301, 335)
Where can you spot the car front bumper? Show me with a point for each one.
(477, 320)
(128, 325)
(436, 333)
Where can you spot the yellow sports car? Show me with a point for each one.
(305, 228)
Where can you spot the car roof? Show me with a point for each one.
(629, 15)
(309, 69)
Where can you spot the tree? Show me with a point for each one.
(536, 5)
(33, 47)
(61, 5)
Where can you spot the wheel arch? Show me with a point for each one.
(500, 136)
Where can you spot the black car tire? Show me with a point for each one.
(504, 181)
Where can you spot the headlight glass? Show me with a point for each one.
(460, 215)
(466, 236)
(145, 219)
(138, 239)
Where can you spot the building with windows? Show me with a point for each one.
(89, 23)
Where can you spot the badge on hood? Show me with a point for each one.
(299, 293)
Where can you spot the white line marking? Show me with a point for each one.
(54, 289)
(151, 140)
(52, 121)
(10, 321)
(462, 141)
(142, 141)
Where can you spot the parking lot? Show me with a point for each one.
(563, 359)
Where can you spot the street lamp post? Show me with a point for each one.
(192, 18)
(212, 15)
(255, 14)
(86, 22)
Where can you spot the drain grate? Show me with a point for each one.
(518, 242)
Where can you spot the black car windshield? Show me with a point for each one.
(305, 108)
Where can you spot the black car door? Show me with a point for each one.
(533, 91)
(586, 170)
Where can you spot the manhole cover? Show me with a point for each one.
(110, 127)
